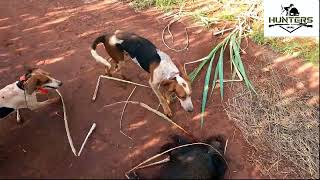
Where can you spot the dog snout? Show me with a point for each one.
(190, 109)
(60, 83)
(187, 104)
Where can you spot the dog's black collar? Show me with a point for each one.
(20, 84)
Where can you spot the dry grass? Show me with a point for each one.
(283, 130)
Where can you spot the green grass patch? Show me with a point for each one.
(162, 4)
(306, 48)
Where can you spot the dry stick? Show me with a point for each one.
(115, 79)
(66, 124)
(225, 147)
(158, 106)
(192, 62)
(167, 159)
(168, 27)
(96, 89)
(169, 150)
(124, 108)
(157, 113)
(222, 31)
(112, 104)
(85, 140)
(67, 128)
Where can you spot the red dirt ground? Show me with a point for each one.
(56, 36)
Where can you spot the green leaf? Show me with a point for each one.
(205, 90)
(238, 63)
(195, 72)
(220, 72)
(223, 44)
(214, 80)
(231, 53)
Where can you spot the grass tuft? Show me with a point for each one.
(162, 4)
(307, 48)
(283, 129)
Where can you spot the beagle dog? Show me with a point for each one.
(165, 76)
(22, 93)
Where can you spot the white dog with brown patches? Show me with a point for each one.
(22, 93)
(164, 74)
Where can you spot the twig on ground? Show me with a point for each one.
(224, 30)
(66, 124)
(157, 113)
(168, 27)
(65, 118)
(158, 106)
(85, 140)
(56, 113)
(115, 79)
(109, 105)
(225, 147)
(167, 159)
(124, 108)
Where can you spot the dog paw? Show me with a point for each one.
(55, 100)
(19, 121)
(168, 112)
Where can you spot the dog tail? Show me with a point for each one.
(96, 56)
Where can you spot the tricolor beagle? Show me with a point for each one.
(22, 93)
(164, 74)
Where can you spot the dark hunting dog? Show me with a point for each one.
(191, 162)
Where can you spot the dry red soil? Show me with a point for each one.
(56, 35)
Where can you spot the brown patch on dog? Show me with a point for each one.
(114, 52)
(173, 86)
(151, 69)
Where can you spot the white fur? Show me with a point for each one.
(114, 40)
(186, 104)
(100, 59)
(135, 61)
(166, 69)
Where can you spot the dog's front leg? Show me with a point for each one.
(162, 100)
(38, 105)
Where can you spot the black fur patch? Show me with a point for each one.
(4, 111)
(192, 162)
(140, 48)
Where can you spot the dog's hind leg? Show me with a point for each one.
(18, 116)
(108, 68)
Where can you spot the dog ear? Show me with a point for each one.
(31, 84)
(29, 68)
(169, 84)
(183, 71)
